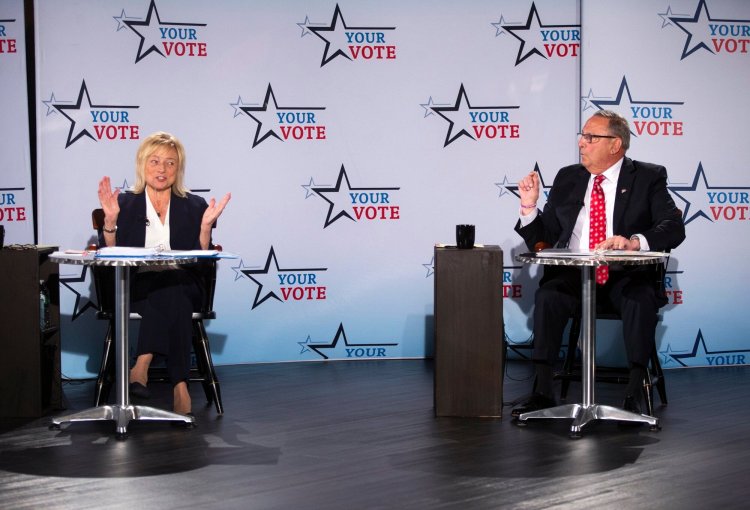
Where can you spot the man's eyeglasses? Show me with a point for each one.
(589, 138)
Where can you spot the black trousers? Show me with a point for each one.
(632, 295)
(166, 301)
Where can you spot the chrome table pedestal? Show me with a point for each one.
(587, 411)
(122, 412)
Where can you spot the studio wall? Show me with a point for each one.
(16, 204)
(355, 136)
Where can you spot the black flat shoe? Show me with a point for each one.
(138, 390)
(535, 403)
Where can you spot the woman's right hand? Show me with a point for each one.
(108, 200)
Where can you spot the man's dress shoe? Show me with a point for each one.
(535, 403)
(631, 404)
(138, 390)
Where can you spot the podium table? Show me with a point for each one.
(30, 383)
(588, 410)
(469, 350)
(122, 412)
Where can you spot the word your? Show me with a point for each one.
(114, 125)
(732, 211)
(561, 49)
(183, 42)
(301, 286)
(739, 37)
(369, 45)
(374, 212)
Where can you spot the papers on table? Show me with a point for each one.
(124, 251)
(554, 252)
(74, 254)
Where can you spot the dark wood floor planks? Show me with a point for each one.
(362, 435)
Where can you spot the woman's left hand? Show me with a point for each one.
(214, 210)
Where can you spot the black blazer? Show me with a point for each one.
(642, 206)
(185, 216)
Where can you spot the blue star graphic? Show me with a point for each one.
(339, 201)
(428, 107)
(340, 333)
(697, 194)
(500, 25)
(49, 103)
(267, 278)
(82, 302)
(704, 353)
(504, 186)
(666, 356)
(459, 114)
(309, 188)
(430, 267)
(624, 107)
(305, 345)
(120, 20)
(534, 32)
(239, 268)
(305, 26)
(238, 106)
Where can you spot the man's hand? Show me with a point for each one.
(619, 243)
(528, 189)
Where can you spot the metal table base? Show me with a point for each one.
(587, 411)
(122, 412)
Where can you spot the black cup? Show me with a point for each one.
(464, 236)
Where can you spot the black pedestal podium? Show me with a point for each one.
(469, 332)
(30, 360)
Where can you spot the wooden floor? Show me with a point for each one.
(362, 435)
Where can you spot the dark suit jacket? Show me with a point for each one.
(185, 216)
(642, 206)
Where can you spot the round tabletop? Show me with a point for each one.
(607, 258)
(62, 258)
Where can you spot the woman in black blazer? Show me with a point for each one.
(160, 212)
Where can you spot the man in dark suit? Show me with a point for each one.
(640, 215)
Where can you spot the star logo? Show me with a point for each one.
(152, 30)
(373, 349)
(459, 116)
(238, 270)
(83, 115)
(80, 286)
(625, 105)
(665, 356)
(700, 201)
(271, 277)
(512, 189)
(336, 36)
(700, 355)
(339, 197)
(430, 267)
(534, 36)
(269, 117)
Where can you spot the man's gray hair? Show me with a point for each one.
(618, 126)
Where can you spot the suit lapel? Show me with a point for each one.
(623, 193)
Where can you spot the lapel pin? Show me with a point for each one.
(623, 190)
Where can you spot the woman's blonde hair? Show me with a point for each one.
(150, 145)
